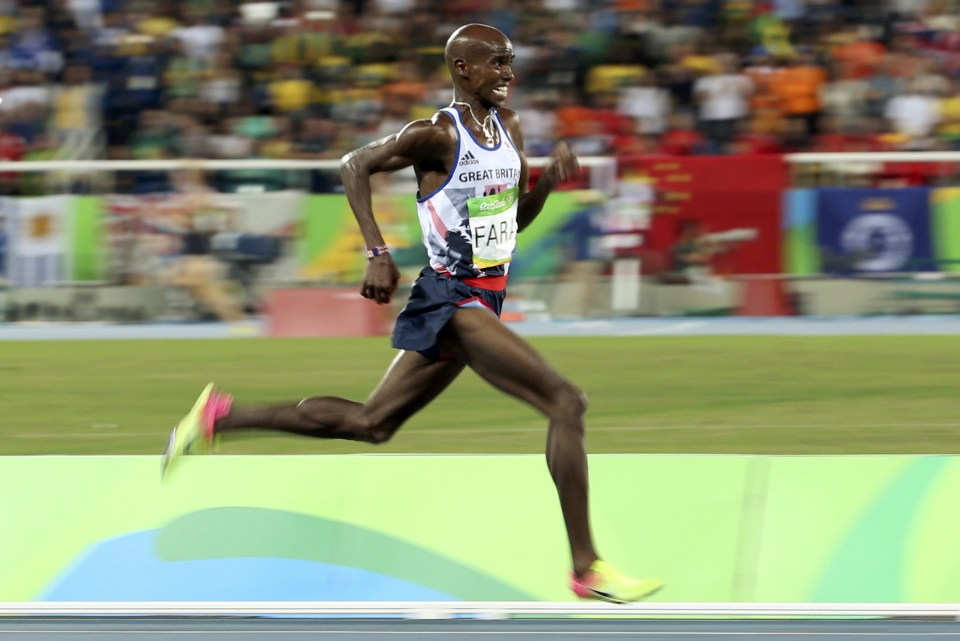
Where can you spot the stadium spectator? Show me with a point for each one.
(646, 102)
(844, 98)
(722, 96)
(200, 36)
(754, 137)
(76, 118)
(856, 45)
(224, 142)
(914, 115)
(693, 255)
(580, 124)
(769, 30)
(43, 147)
(292, 93)
(539, 123)
(317, 140)
(948, 127)
(765, 109)
(195, 210)
(677, 76)
(182, 76)
(28, 93)
(12, 146)
(221, 87)
(33, 45)
(798, 86)
(682, 138)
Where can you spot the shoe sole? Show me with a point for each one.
(596, 595)
(169, 453)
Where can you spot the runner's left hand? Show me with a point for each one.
(563, 164)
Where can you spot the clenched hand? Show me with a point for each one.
(380, 279)
(563, 164)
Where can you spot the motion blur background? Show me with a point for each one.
(165, 164)
(696, 120)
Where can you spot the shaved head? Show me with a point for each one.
(472, 40)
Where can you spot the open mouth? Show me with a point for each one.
(502, 91)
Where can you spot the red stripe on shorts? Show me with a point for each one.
(474, 299)
(489, 283)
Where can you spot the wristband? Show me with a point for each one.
(379, 250)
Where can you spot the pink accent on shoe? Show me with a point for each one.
(579, 584)
(217, 406)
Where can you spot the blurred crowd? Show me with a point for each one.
(309, 79)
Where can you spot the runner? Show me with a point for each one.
(473, 200)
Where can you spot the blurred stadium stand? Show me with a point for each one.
(130, 80)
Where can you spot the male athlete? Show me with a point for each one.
(473, 199)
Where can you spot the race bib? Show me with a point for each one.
(493, 227)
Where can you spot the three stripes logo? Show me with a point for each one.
(468, 159)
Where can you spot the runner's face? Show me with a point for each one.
(493, 73)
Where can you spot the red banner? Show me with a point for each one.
(736, 196)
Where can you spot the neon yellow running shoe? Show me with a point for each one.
(196, 428)
(605, 583)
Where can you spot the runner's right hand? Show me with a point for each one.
(380, 279)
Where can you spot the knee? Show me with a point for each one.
(377, 435)
(569, 401)
(376, 431)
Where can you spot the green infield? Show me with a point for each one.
(765, 395)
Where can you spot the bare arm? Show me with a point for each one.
(561, 166)
(417, 142)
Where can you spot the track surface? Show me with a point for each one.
(327, 629)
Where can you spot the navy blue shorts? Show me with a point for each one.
(433, 300)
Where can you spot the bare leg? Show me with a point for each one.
(409, 384)
(511, 365)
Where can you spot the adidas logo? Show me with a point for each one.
(469, 159)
